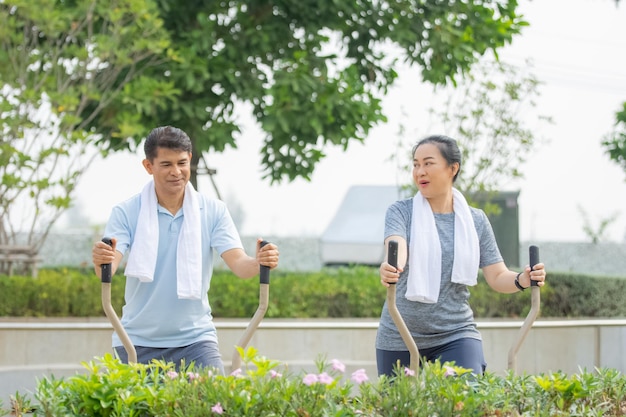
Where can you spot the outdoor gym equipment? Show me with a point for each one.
(264, 289)
(532, 314)
(110, 312)
(392, 259)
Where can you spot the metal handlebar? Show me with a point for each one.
(532, 314)
(110, 312)
(392, 259)
(264, 288)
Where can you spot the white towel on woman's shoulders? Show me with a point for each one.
(424, 279)
(143, 254)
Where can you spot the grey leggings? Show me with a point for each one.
(466, 353)
(203, 354)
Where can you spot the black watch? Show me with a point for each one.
(517, 284)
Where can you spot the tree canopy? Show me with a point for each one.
(80, 73)
(313, 73)
(63, 65)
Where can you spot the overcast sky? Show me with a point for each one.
(579, 51)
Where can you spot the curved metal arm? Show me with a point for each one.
(264, 288)
(532, 314)
(116, 323)
(110, 312)
(392, 259)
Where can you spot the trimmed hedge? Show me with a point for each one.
(331, 292)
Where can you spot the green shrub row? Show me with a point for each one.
(332, 292)
(265, 388)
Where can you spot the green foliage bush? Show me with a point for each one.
(59, 292)
(332, 292)
(264, 388)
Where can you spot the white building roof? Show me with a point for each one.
(355, 235)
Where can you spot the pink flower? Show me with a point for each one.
(172, 374)
(338, 366)
(326, 379)
(359, 376)
(409, 372)
(236, 372)
(310, 379)
(217, 409)
(449, 371)
(192, 375)
(275, 374)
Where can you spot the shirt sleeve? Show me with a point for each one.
(222, 232)
(398, 219)
(122, 223)
(489, 250)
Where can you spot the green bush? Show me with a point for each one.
(264, 388)
(342, 292)
(59, 292)
(332, 292)
(565, 295)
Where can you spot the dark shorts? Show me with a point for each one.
(466, 353)
(203, 354)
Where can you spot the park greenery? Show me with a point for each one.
(312, 74)
(63, 65)
(83, 78)
(263, 387)
(267, 387)
(347, 292)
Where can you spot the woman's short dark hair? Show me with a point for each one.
(447, 146)
(166, 137)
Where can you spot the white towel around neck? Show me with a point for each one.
(143, 254)
(424, 278)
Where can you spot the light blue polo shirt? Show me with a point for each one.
(153, 316)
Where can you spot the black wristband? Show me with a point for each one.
(517, 284)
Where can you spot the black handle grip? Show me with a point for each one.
(533, 256)
(106, 268)
(392, 254)
(264, 272)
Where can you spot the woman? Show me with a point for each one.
(441, 244)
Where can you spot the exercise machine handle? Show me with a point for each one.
(392, 255)
(407, 338)
(264, 272)
(533, 254)
(105, 277)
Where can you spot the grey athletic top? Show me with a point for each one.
(451, 318)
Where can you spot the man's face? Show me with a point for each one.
(171, 169)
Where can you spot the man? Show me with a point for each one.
(171, 231)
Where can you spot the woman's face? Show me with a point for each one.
(431, 173)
